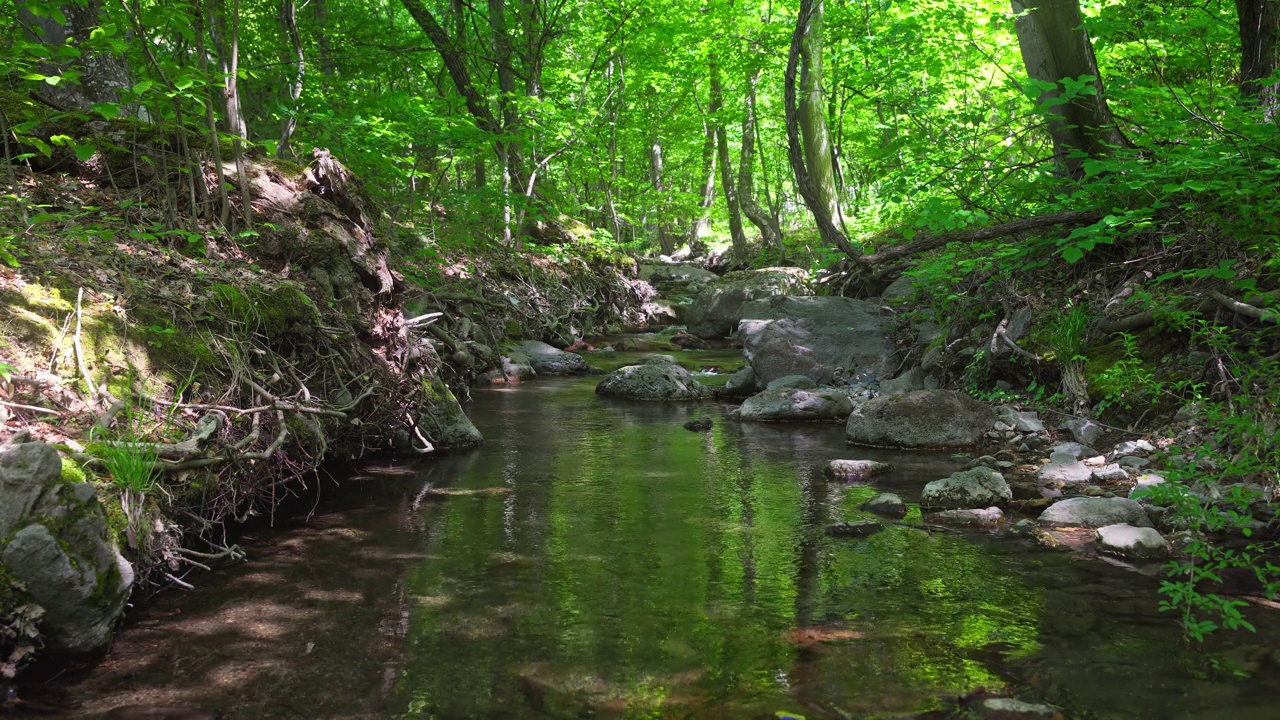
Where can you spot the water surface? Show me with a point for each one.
(637, 569)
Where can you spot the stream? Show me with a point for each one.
(633, 568)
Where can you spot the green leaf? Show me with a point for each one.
(1072, 254)
(142, 87)
(84, 152)
(108, 111)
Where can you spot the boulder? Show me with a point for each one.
(658, 381)
(1059, 474)
(716, 311)
(977, 488)
(886, 505)
(740, 384)
(971, 517)
(1095, 512)
(1146, 482)
(509, 371)
(857, 469)
(1139, 543)
(1085, 431)
(913, 379)
(1109, 474)
(1025, 422)
(817, 337)
(548, 360)
(679, 275)
(925, 418)
(794, 405)
(1069, 452)
(58, 548)
(800, 382)
(1133, 447)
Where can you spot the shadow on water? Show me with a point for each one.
(637, 569)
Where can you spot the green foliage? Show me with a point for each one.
(1068, 334)
(1127, 383)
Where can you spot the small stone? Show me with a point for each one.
(1084, 431)
(1072, 473)
(1002, 427)
(1145, 482)
(1141, 543)
(1010, 709)
(1029, 422)
(1109, 474)
(1133, 462)
(886, 505)
(984, 461)
(1096, 461)
(1069, 452)
(1093, 491)
(1023, 528)
(1133, 447)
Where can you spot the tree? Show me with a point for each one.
(1059, 59)
(818, 150)
(767, 223)
(1260, 53)
(716, 110)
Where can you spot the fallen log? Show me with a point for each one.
(989, 232)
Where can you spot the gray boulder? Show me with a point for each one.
(913, 379)
(925, 418)
(1025, 422)
(1069, 452)
(857, 469)
(1095, 512)
(1109, 474)
(58, 552)
(657, 381)
(716, 311)
(816, 337)
(1133, 447)
(1139, 543)
(886, 505)
(443, 421)
(800, 382)
(1084, 430)
(740, 384)
(977, 488)
(795, 405)
(675, 275)
(548, 360)
(1146, 482)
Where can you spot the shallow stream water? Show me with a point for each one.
(632, 568)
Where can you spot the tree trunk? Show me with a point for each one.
(770, 232)
(831, 235)
(716, 111)
(1260, 53)
(1057, 51)
(666, 241)
(508, 152)
(818, 154)
(293, 92)
(102, 76)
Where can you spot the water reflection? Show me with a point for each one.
(641, 568)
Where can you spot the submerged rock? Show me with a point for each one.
(548, 360)
(794, 405)
(925, 418)
(659, 381)
(818, 337)
(716, 311)
(977, 488)
(698, 425)
(1095, 512)
(994, 708)
(886, 505)
(1139, 543)
(856, 529)
(857, 469)
(57, 546)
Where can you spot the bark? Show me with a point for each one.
(716, 110)
(706, 193)
(1055, 49)
(770, 231)
(666, 241)
(102, 75)
(1260, 53)
(508, 152)
(818, 150)
(320, 13)
(455, 65)
(293, 91)
(831, 235)
(224, 207)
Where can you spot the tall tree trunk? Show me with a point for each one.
(666, 241)
(293, 92)
(770, 232)
(818, 151)
(508, 152)
(224, 207)
(707, 192)
(1057, 50)
(818, 207)
(1260, 53)
(320, 13)
(716, 110)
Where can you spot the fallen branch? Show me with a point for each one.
(32, 408)
(80, 363)
(990, 232)
(1246, 309)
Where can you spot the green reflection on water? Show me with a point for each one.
(640, 568)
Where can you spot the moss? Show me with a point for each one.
(72, 472)
(273, 312)
(39, 297)
(287, 168)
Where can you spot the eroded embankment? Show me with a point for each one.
(192, 375)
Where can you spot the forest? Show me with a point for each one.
(248, 245)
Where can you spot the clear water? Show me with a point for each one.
(637, 569)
